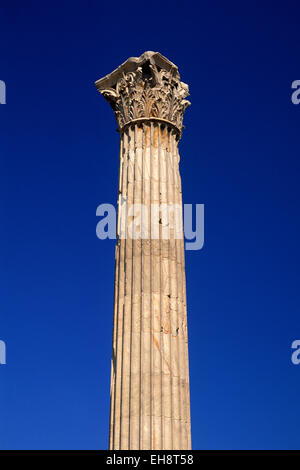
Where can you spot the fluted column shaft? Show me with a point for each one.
(150, 405)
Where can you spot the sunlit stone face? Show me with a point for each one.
(150, 404)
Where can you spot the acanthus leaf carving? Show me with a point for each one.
(148, 91)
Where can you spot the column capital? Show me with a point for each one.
(146, 87)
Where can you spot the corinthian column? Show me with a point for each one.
(150, 402)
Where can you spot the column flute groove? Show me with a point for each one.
(177, 372)
(151, 289)
(141, 300)
(169, 442)
(158, 416)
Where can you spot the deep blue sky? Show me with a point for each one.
(59, 161)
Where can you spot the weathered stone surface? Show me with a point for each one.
(150, 406)
(148, 86)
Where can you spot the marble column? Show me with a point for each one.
(150, 402)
